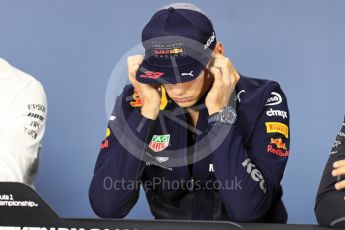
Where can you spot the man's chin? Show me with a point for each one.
(186, 104)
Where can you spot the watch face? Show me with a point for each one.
(228, 115)
(225, 116)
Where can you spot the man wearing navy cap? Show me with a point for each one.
(205, 142)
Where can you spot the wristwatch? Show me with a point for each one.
(225, 116)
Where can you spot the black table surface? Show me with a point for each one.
(258, 226)
(168, 224)
(42, 215)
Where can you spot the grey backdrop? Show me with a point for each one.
(73, 46)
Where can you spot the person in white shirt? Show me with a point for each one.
(23, 110)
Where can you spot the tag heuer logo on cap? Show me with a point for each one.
(159, 142)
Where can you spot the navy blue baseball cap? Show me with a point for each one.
(178, 42)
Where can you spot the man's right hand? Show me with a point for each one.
(339, 170)
(149, 94)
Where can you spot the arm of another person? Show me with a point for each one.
(21, 134)
(330, 200)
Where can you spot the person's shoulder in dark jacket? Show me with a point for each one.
(330, 204)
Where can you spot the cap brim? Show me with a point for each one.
(151, 74)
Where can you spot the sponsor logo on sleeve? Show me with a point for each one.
(105, 143)
(277, 127)
(35, 120)
(238, 96)
(35, 125)
(278, 152)
(335, 147)
(209, 41)
(254, 173)
(277, 113)
(279, 143)
(37, 107)
(31, 132)
(35, 115)
(159, 142)
(107, 133)
(137, 102)
(274, 99)
(336, 144)
(338, 141)
(341, 134)
(281, 146)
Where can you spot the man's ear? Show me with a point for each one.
(218, 49)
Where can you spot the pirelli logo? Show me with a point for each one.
(277, 127)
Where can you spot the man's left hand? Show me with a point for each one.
(225, 80)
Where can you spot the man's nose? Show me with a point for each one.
(177, 90)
